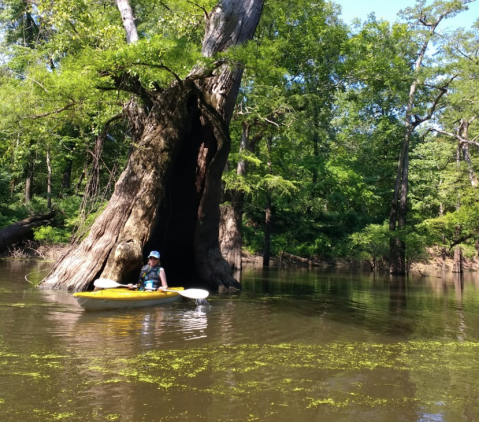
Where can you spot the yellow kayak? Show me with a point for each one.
(124, 298)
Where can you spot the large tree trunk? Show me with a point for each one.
(168, 195)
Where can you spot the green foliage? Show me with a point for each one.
(324, 106)
(51, 235)
(371, 244)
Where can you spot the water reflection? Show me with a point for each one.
(302, 345)
(193, 324)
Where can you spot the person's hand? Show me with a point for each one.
(162, 288)
(132, 286)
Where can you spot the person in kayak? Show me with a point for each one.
(152, 275)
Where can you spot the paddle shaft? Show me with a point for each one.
(189, 293)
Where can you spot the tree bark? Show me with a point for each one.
(168, 195)
(457, 264)
(92, 188)
(49, 180)
(231, 238)
(29, 180)
(82, 175)
(126, 13)
(267, 230)
(464, 134)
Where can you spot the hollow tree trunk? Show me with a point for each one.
(168, 195)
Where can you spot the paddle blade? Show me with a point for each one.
(105, 283)
(194, 293)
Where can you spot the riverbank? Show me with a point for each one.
(33, 250)
(433, 264)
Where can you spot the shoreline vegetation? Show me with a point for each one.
(432, 264)
(208, 132)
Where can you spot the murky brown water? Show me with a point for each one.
(293, 346)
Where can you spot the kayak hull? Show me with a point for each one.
(123, 298)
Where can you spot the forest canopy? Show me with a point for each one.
(346, 141)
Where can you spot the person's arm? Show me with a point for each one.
(162, 275)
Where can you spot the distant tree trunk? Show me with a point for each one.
(443, 236)
(92, 188)
(464, 134)
(316, 142)
(29, 180)
(67, 175)
(49, 181)
(13, 183)
(462, 151)
(82, 176)
(398, 214)
(457, 265)
(231, 238)
(444, 257)
(268, 213)
(399, 205)
(267, 230)
(30, 29)
(168, 195)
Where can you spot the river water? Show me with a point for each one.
(296, 345)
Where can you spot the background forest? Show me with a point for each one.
(357, 142)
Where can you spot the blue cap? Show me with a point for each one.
(154, 254)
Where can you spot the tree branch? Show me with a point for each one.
(125, 82)
(201, 7)
(39, 116)
(160, 66)
(458, 137)
(443, 90)
(460, 240)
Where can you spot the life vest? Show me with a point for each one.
(150, 278)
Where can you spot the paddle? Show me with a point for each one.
(105, 283)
